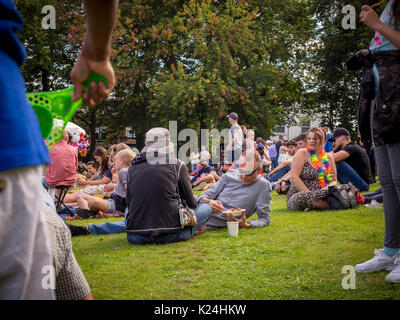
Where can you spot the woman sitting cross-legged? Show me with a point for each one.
(313, 170)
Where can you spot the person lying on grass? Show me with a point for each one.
(90, 205)
(243, 188)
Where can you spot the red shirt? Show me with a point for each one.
(63, 165)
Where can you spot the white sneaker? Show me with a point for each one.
(394, 276)
(380, 262)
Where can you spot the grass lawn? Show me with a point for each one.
(299, 256)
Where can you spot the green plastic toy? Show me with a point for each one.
(57, 105)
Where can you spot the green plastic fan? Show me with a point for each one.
(57, 105)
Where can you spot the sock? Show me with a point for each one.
(391, 252)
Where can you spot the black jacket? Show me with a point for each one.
(152, 196)
(386, 117)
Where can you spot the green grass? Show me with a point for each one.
(299, 256)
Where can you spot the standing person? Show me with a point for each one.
(328, 144)
(234, 146)
(279, 143)
(194, 160)
(24, 248)
(272, 154)
(384, 51)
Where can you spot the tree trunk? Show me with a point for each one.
(139, 141)
(45, 81)
(92, 147)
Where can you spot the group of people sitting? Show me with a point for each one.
(151, 208)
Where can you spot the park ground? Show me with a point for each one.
(300, 255)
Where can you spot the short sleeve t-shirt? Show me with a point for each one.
(120, 188)
(109, 173)
(359, 161)
(21, 141)
(236, 130)
(379, 42)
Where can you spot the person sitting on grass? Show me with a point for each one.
(284, 166)
(63, 165)
(243, 188)
(301, 142)
(102, 186)
(352, 161)
(204, 170)
(368, 197)
(90, 205)
(91, 169)
(208, 180)
(153, 215)
(313, 170)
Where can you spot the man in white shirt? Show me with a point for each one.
(234, 146)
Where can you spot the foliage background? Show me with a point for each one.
(195, 61)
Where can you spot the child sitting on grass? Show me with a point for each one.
(116, 203)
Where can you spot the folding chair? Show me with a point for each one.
(60, 198)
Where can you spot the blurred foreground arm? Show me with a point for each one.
(101, 16)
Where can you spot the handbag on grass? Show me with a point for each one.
(186, 215)
(341, 197)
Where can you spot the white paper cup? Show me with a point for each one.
(233, 228)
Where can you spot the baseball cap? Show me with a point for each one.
(339, 132)
(232, 115)
(268, 142)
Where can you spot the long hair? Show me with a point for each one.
(101, 152)
(395, 12)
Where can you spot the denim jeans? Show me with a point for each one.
(346, 174)
(387, 159)
(279, 174)
(203, 213)
(107, 228)
(274, 162)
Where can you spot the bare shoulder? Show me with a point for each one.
(301, 153)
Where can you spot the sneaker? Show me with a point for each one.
(380, 262)
(78, 230)
(394, 276)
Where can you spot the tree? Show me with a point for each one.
(336, 89)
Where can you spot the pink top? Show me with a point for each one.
(63, 165)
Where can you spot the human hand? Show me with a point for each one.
(278, 186)
(81, 182)
(83, 67)
(241, 220)
(369, 17)
(270, 174)
(216, 206)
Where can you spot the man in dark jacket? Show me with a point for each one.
(156, 181)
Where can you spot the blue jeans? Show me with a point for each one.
(279, 174)
(203, 213)
(274, 162)
(346, 174)
(107, 228)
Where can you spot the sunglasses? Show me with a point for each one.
(246, 173)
